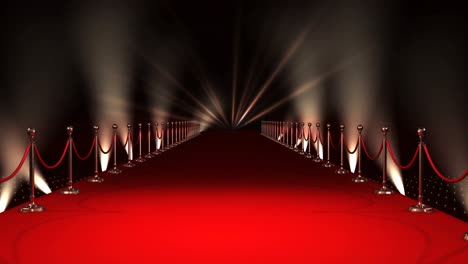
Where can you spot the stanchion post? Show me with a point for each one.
(291, 125)
(129, 163)
(163, 133)
(156, 138)
(341, 170)
(140, 157)
(70, 189)
(32, 207)
(309, 141)
(420, 207)
(172, 135)
(384, 190)
(114, 169)
(359, 177)
(149, 155)
(96, 177)
(317, 158)
(301, 151)
(328, 164)
(296, 137)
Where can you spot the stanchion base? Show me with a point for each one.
(308, 156)
(291, 147)
(465, 237)
(129, 165)
(302, 152)
(341, 171)
(328, 164)
(317, 159)
(114, 171)
(70, 190)
(140, 160)
(420, 208)
(384, 191)
(32, 208)
(359, 178)
(157, 152)
(149, 156)
(96, 179)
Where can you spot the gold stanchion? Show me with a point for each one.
(303, 139)
(114, 169)
(140, 157)
(317, 158)
(32, 207)
(341, 170)
(328, 164)
(309, 141)
(149, 155)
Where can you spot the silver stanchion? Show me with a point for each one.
(70, 189)
(420, 207)
(114, 169)
(384, 190)
(287, 135)
(129, 163)
(328, 164)
(341, 170)
(317, 158)
(296, 137)
(291, 145)
(309, 141)
(149, 155)
(32, 207)
(359, 178)
(163, 133)
(140, 157)
(96, 177)
(301, 151)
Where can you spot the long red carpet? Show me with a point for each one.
(229, 197)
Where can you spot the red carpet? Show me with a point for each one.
(229, 197)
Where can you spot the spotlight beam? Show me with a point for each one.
(289, 53)
(235, 66)
(298, 91)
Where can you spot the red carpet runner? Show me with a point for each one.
(229, 197)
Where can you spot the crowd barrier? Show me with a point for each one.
(294, 134)
(164, 137)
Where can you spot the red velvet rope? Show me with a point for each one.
(58, 162)
(459, 179)
(331, 142)
(19, 166)
(102, 150)
(367, 153)
(308, 135)
(395, 160)
(347, 149)
(87, 155)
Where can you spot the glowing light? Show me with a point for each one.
(106, 141)
(394, 174)
(299, 141)
(40, 182)
(304, 146)
(352, 159)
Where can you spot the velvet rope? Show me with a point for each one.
(367, 153)
(331, 142)
(87, 155)
(347, 148)
(102, 150)
(58, 162)
(395, 160)
(308, 135)
(26, 152)
(459, 179)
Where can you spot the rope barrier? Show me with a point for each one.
(58, 162)
(102, 150)
(15, 172)
(395, 160)
(87, 155)
(347, 149)
(367, 153)
(455, 180)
